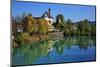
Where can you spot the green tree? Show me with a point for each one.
(59, 18)
(81, 27)
(93, 30)
(59, 24)
(69, 27)
(69, 22)
(84, 27)
(87, 27)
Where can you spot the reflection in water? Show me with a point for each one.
(55, 50)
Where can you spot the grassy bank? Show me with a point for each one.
(24, 38)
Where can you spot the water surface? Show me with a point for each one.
(68, 49)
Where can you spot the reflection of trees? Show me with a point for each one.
(31, 52)
(69, 41)
(59, 45)
(28, 53)
(84, 42)
(93, 38)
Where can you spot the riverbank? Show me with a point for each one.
(30, 39)
(25, 38)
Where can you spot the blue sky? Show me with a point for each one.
(73, 12)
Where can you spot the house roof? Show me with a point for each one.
(46, 14)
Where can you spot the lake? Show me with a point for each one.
(57, 50)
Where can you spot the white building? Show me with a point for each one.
(47, 16)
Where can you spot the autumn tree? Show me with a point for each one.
(42, 26)
(31, 24)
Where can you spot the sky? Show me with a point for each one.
(69, 11)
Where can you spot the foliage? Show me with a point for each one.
(68, 27)
(42, 26)
(59, 18)
(30, 24)
(84, 27)
(35, 26)
(22, 38)
(93, 30)
(59, 24)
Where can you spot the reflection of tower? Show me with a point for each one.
(50, 48)
(49, 10)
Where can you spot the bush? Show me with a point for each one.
(22, 38)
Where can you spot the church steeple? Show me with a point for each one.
(49, 10)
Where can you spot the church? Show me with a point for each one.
(47, 16)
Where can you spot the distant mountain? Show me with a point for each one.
(90, 22)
